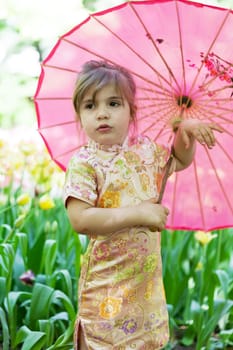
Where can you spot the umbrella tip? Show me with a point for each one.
(184, 101)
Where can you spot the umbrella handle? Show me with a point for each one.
(163, 185)
(165, 177)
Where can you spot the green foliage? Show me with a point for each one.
(41, 313)
(39, 268)
(198, 279)
(40, 259)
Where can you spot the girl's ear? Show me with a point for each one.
(78, 119)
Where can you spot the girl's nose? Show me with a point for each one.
(103, 114)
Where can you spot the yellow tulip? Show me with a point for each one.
(46, 202)
(204, 237)
(23, 199)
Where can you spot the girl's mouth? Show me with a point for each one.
(104, 128)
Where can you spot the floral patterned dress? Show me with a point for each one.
(122, 303)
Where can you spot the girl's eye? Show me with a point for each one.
(89, 105)
(114, 103)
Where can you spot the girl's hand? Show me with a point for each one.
(153, 215)
(201, 131)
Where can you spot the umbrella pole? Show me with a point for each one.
(165, 177)
(169, 162)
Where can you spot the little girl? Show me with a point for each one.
(111, 189)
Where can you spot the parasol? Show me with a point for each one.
(180, 55)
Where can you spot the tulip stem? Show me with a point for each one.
(219, 243)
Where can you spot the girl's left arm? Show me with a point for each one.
(188, 132)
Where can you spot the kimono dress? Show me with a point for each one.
(122, 302)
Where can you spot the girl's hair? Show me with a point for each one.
(97, 74)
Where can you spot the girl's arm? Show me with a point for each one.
(188, 131)
(102, 221)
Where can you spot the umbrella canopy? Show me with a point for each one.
(180, 55)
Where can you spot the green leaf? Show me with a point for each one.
(196, 315)
(189, 336)
(47, 327)
(31, 340)
(2, 289)
(7, 254)
(11, 308)
(40, 303)
(224, 280)
(66, 281)
(49, 256)
(35, 253)
(221, 308)
(227, 336)
(22, 243)
(5, 330)
(66, 302)
(61, 316)
(65, 341)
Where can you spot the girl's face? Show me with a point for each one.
(105, 118)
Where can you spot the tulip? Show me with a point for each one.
(46, 202)
(204, 237)
(23, 199)
(27, 278)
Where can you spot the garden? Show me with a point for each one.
(41, 255)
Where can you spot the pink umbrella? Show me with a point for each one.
(180, 54)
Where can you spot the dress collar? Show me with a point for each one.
(108, 148)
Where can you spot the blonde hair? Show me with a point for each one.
(97, 74)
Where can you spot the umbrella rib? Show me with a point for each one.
(131, 49)
(58, 124)
(221, 89)
(181, 46)
(149, 36)
(207, 112)
(152, 99)
(227, 110)
(111, 61)
(162, 103)
(59, 68)
(210, 47)
(224, 151)
(168, 93)
(160, 131)
(220, 99)
(157, 110)
(199, 194)
(219, 182)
